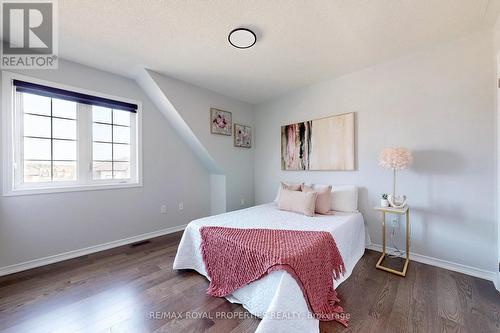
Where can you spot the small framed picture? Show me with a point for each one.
(221, 122)
(242, 136)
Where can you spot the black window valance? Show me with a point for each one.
(37, 89)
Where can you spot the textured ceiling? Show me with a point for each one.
(299, 42)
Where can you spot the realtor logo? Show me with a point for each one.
(28, 34)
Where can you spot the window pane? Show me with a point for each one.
(121, 170)
(101, 152)
(121, 117)
(37, 171)
(100, 114)
(62, 108)
(101, 132)
(64, 150)
(121, 152)
(36, 104)
(121, 134)
(64, 129)
(36, 126)
(36, 149)
(102, 170)
(64, 171)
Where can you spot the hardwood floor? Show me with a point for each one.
(134, 289)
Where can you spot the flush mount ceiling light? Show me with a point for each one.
(242, 38)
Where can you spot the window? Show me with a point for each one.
(49, 128)
(111, 143)
(65, 140)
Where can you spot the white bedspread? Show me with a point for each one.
(277, 298)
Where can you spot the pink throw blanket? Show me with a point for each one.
(235, 257)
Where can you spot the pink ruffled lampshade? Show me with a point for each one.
(395, 158)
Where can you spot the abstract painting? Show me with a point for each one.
(321, 144)
(242, 136)
(221, 122)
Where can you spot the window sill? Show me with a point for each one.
(76, 188)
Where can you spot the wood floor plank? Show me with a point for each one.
(133, 289)
(400, 318)
(423, 301)
(449, 306)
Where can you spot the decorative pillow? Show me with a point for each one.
(291, 187)
(323, 201)
(287, 186)
(297, 201)
(344, 198)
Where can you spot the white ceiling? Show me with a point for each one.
(299, 41)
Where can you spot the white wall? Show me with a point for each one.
(36, 226)
(193, 104)
(218, 203)
(440, 104)
(496, 55)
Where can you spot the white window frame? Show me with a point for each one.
(11, 142)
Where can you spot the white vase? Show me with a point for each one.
(384, 203)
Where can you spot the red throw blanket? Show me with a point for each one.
(235, 257)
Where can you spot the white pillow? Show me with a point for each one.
(344, 197)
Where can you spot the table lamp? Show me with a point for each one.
(395, 159)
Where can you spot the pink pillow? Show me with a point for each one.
(291, 187)
(296, 201)
(323, 201)
(287, 186)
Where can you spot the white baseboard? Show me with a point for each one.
(88, 250)
(452, 266)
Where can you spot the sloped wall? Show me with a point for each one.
(193, 105)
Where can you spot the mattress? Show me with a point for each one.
(277, 298)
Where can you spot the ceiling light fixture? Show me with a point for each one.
(242, 38)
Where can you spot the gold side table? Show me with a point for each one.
(401, 211)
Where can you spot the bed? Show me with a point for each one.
(277, 298)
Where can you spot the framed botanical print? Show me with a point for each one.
(221, 122)
(242, 136)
